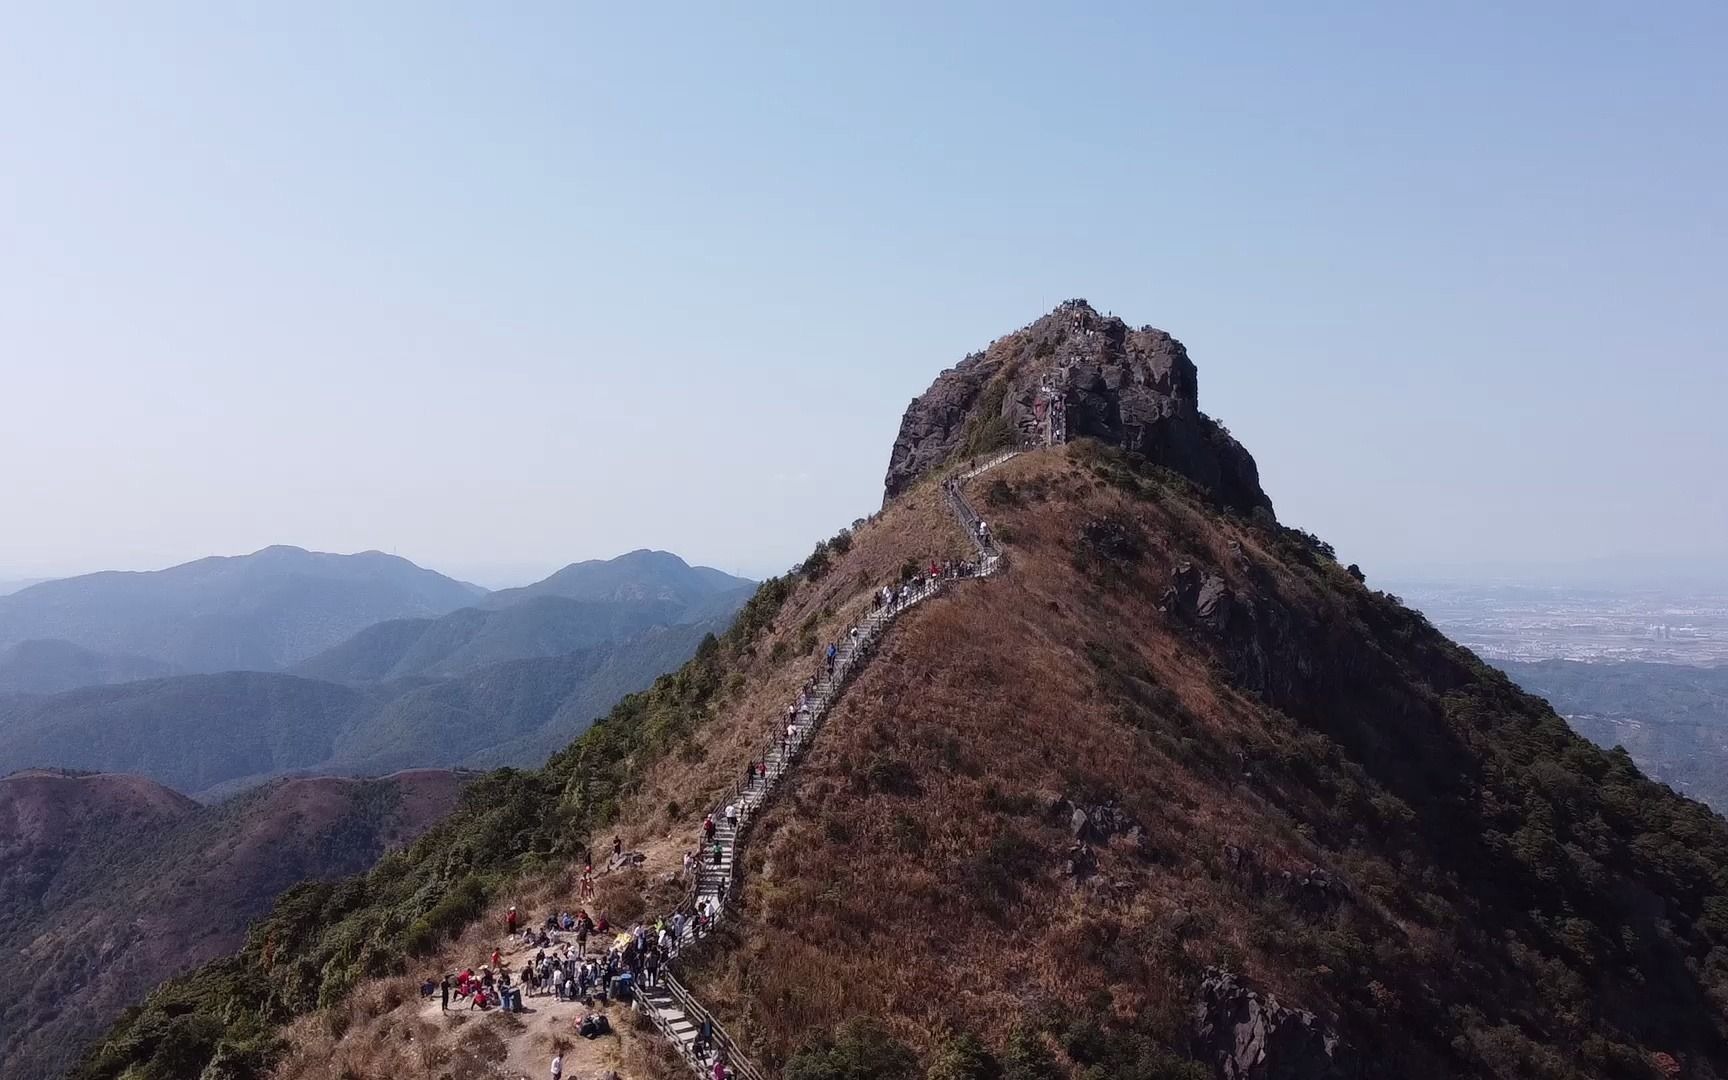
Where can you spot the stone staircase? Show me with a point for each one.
(692, 1030)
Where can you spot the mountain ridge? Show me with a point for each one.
(181, 730)
(263, 610)
(110, 883)
(1177, 795)
(38, 666)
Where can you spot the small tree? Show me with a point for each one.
(860, 1050)
(963, 1057)
(1028, 1057)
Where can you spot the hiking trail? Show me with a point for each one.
(669, 1004)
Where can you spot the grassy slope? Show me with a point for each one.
(1520, 904)
(647, 770)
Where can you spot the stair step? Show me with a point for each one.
(788, 742)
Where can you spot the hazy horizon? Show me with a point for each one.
(492, 291)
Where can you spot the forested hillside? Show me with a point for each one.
(109, 884)
(209, 735)
(1672, 718)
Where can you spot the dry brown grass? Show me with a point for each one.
(358, 1039)
(871, 894)
(914, 867)
(865, 899)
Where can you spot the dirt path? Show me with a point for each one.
(533, 1036)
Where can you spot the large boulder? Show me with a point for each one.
(1133, 388)
(1247, 1035)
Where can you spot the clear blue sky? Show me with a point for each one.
(503, 286)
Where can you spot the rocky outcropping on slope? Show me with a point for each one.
(1134, 388)
(1250, 1036)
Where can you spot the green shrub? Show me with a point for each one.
(998, 493)
(1028, 1057)
(988, 430)
(963, 1057)
(860, 1050)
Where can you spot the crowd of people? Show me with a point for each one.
(564, 967)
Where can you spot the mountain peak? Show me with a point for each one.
(1070, 374)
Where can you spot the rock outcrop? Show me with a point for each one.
(1133, 388)
(1247, 1035)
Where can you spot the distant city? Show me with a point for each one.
(1661, 625)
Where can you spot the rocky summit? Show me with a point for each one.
(1070, 374)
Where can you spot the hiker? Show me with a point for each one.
(557, 1066)
(510, 921)
(732, 815)
(497, 959)
(716, 853)
(708, 827)
(617, 846)
(444, 986)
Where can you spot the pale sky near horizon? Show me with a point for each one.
(503, 287)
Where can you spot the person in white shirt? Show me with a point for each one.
(557, 1067)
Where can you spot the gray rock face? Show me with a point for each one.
(1133, 388)
(1247, 1035)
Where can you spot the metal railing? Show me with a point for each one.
(819, 698)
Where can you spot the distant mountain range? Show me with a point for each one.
(581, 606)
(506, 683)
(257, 612)
(109, 884)
(363, 664)
(49, 667)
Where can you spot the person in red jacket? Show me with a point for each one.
(510, 922)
